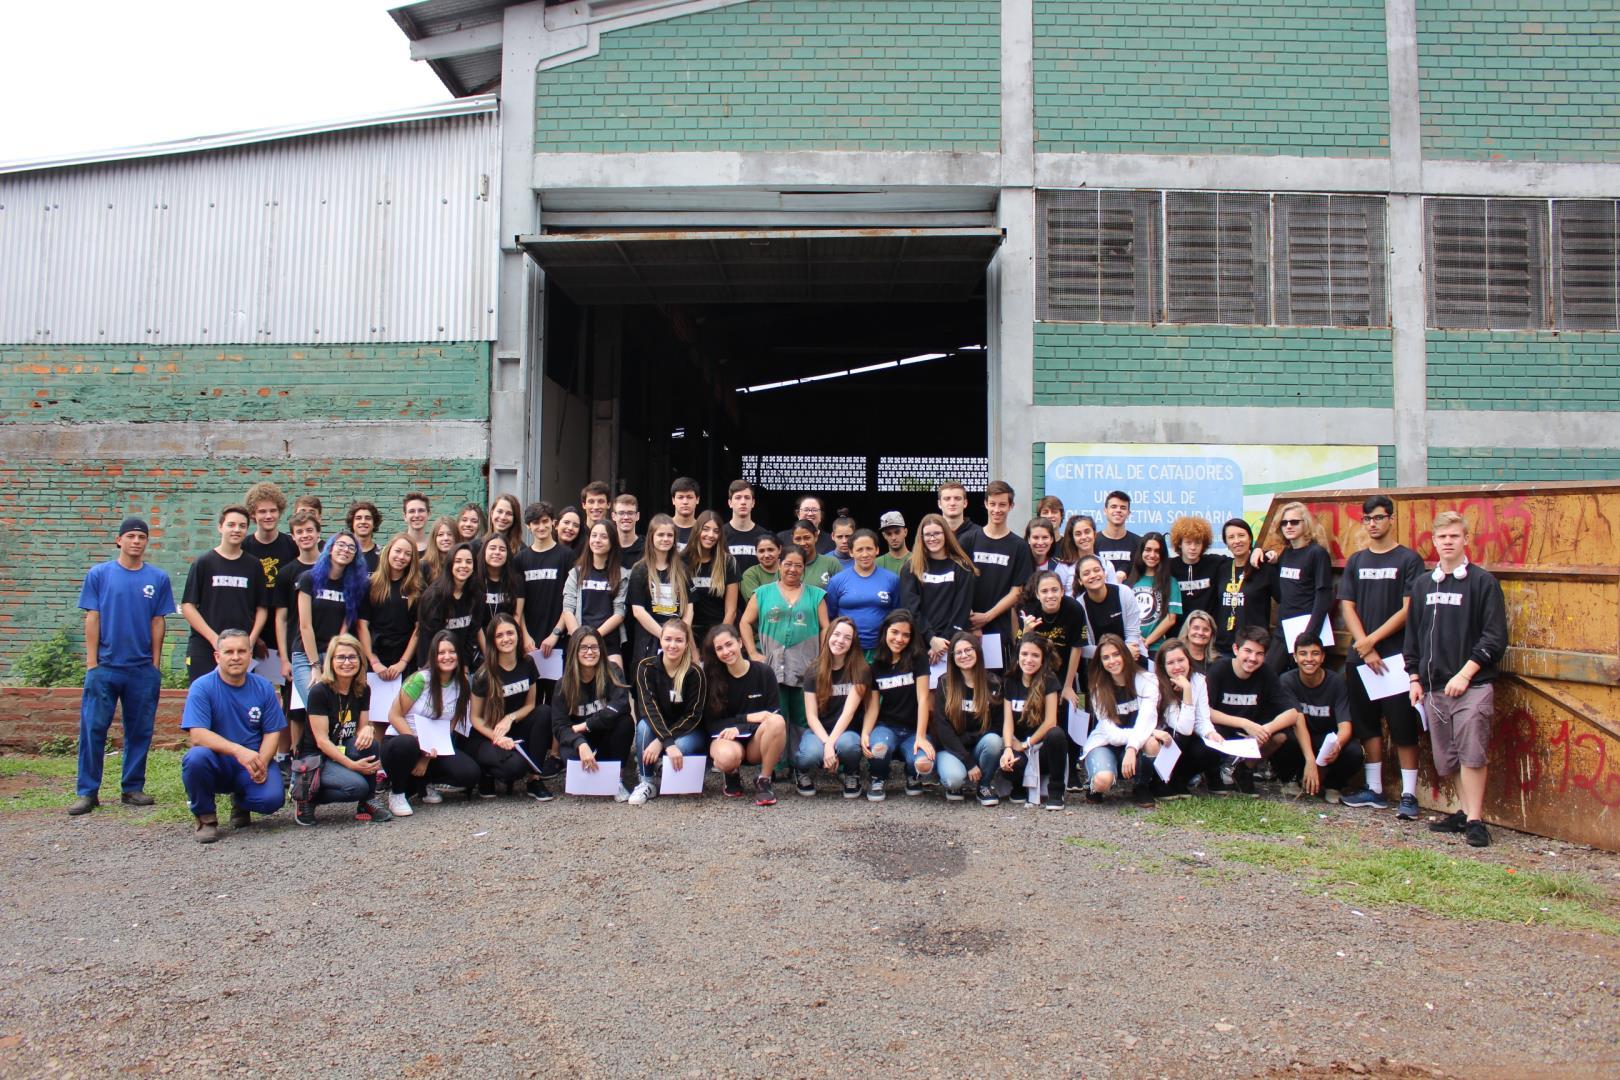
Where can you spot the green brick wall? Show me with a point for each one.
(1266, 77)
(1532, 372)
(435, 381)
(1128, 364)
(785, 75)
(56, 519)
(1528, 80)
(1386, 466)
(1037, 479)
(1483, 466)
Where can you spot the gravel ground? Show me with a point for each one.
(703, 937)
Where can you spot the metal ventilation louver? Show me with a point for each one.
(1217, 249)
(1487, 263)
(1098, 257)
(1586, 268)
(1329, 252)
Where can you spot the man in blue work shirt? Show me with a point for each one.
(235, 722)
(125, 602)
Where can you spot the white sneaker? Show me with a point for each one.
(643, 792)
(399, 805)
(623, 794)
(431, 796)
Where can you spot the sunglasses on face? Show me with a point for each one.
(1292, 522)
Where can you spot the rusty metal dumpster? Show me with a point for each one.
(1555, 750)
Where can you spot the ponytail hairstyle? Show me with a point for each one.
(1103, 696)
(1160, 574)
(353, 581)
(490, 673)
(714, 672)
(1035, 700)
(855, 669)
(959, 684)
(410, 582)
(458, 679)
(694, 557)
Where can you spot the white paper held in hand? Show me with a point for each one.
(1078, 725)
(1393, 681)
(1243, 748)
(433, 736)
(936, 672)
(549, 667)
(604, 781)
(383, 693)
(269, 668)
(687, 780)
(1032, 776)
(990, 646)
(1164, 762)
(1328, 746)
(1295, 626)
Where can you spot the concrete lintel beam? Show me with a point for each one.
(370, 440)
(1522, 179)
(1507, 430)
(794, 170)
(474, 39)
(1217, 172)
(1206, 424)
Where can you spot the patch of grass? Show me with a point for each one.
(1455, 888)
(1235, 816)
(1089, 842)
(50, 786)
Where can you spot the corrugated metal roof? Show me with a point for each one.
(385, 232)
(485, 103)
(462, 75)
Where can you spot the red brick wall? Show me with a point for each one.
(33, 715)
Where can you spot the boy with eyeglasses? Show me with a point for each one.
(1375, 598)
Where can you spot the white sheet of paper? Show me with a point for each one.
(383, 693)
(1032, 778)
(1393, 681)
(604, 781)
(433, 735)
(1294, 627)
(1423, 715)
(687, 780)
(517, 744)
(1165, 761)
(1243, 748)
(269, 667)
(550, 667)
(1327, 747)
(990, 645)
(296, 697)
(936, 672)
(1078, 725)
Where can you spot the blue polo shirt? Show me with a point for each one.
(243, 714)
(127, 601)
(865, 599)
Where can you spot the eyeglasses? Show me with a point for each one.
(1376, 517)
(344, 547)
(1293, 522)
(345, 659)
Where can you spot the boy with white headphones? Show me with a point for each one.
(1456, 639)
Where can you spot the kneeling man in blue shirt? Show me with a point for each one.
(235, 722)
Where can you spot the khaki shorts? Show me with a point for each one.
(1460, 727)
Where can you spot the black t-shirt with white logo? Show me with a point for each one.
(326, 613)
(1027, 714)
(390, 623)
(740, 543)
(543, 573)
(1325, 705)
(1378, 584)
(226, 592)
(342, 712)
(1002, 562)
(1256, 698)
(1119, 552)
(515, 684)
(897, 690)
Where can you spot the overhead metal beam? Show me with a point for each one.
(474, 39)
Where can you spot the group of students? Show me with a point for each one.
(989, 663)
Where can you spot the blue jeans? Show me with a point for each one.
(303, 672)
(339, 783)
(953, 771)
(136, 689)
(1111, 759)
(812, 748)
(878, 764)
(693, 742)
(208, 774)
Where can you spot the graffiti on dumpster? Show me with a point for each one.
(1579, 760)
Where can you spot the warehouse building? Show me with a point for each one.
(859, 245)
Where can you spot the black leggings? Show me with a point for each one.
(1196, 757)
(400, 754)
(612, 744)
(1054, 751)
(1345, 774)
(509, 766)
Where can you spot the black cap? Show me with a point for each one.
(133, 524)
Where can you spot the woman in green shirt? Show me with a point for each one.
(781, 628)
(768, 550)
(1158, 594)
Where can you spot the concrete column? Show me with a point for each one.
(1408, 308)
(1010, 287)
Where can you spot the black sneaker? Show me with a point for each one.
(1243, 779)
(1094, 796)
(1175, 791)
(764, 791)
(1054, 801)
(987, 796)
(804, 782)
(1451, 823)
(1408, 809)
(914, 785)
(304, 813)
(537, 790)
(486, 788)
(551, 768)
(1477, 834)
(373, 811)
(852, 785)
(1142, 796)
(733, 785)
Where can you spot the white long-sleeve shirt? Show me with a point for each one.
(1193, 719)
(1107, 731)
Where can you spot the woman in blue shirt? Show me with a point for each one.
(865, 592)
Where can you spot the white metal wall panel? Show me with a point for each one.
(383, 234)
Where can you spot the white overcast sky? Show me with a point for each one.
(97, 74)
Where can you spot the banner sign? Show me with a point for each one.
(1167, 481)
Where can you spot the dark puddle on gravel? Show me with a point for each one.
(904, 852)
(928, 940)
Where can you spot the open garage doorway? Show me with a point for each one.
(857, 372)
